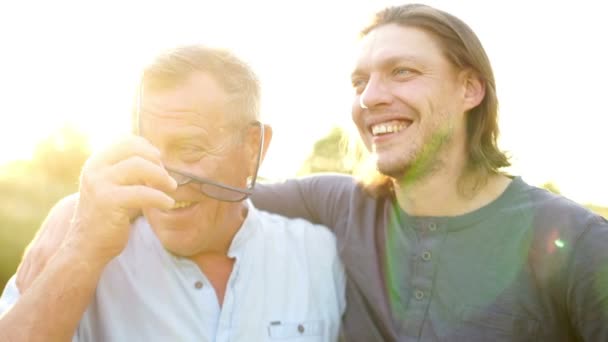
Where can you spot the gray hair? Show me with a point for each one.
(174, 66)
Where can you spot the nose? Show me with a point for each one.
(376, 93)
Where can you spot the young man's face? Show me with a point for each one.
(188, 125)
(408, 104)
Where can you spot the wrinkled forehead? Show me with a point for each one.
(198, 101)
(392, 41)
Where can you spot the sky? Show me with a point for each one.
(77, 62)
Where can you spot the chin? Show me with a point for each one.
(393, 172)
(392, 167)
(179, 250)
(177, 242)
(179, 253)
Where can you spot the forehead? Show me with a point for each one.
(392, 41)
(199, 98)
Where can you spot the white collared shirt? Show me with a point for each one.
(287, 284)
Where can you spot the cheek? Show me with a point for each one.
(357, 113)
(232, 169)
(413, 95)
(208, 167)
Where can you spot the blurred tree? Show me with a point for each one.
(327, 155)
(335, 152)
(550, 186)
(602, 211)
(28, 189)
(61, 155)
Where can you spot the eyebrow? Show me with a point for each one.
(389, 61)
(191, 138)
(151, 111)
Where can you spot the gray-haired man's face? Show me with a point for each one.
(189, 125)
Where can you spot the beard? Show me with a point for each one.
(420, 163)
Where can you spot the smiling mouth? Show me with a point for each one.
(389, 127)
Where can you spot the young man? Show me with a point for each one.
(202, 263)
(439, 244)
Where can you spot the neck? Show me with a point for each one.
(214, 261)
(448, 192)
(224, 231)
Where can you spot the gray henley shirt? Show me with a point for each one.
(530, 266)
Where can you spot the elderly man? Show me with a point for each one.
(438, 243)
(201, 264)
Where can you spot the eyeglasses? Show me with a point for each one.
(217, 190)
(208, 187)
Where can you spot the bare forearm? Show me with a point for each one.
(52, 307)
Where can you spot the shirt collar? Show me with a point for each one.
(248, 230)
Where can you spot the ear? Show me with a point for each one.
(474, 90)
(267, 138)
(253, 145)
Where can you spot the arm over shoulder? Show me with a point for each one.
(320, 199)
(322, 247)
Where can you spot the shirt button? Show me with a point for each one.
(418, 294)
(198, 285)
(426, 256)
(300, 328)
(432, 226)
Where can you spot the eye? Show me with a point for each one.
(191, 153)
(359, 84)
(402, 72)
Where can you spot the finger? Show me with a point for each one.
(137, 170)
(124, 148)
(141, 196)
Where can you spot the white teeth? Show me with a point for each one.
(387, 128)
(183, 204)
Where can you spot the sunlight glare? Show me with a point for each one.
(75, 62)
